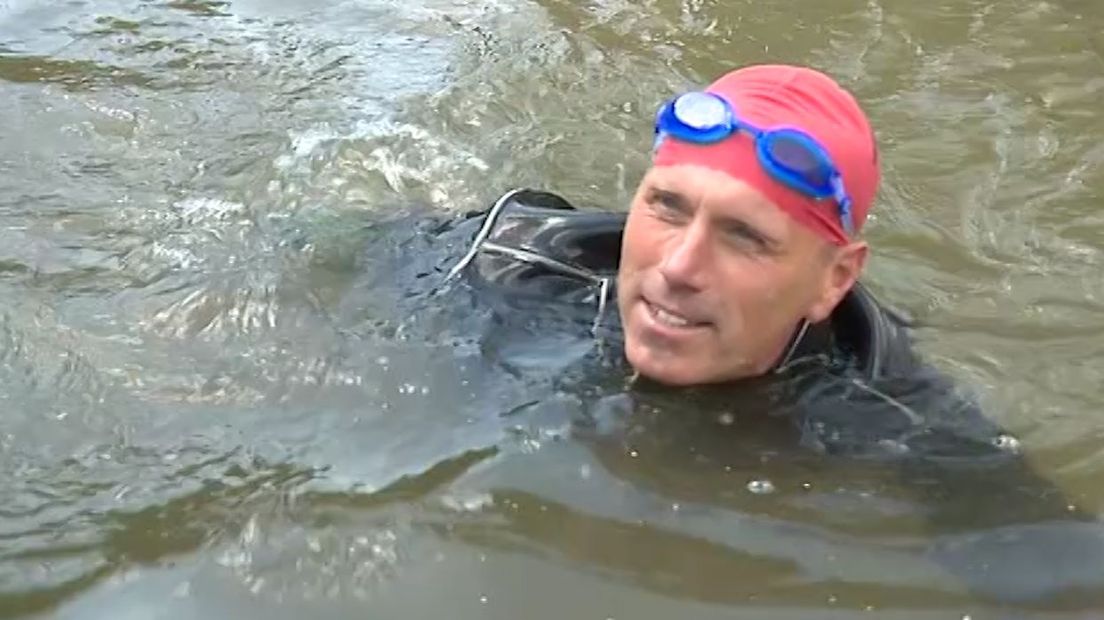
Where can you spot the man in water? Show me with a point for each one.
(736, 275)
(740, 254)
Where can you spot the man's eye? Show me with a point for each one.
(745, 237)
(669, 207)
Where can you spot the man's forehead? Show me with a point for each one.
(719, 192)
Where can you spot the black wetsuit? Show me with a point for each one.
(854, 387)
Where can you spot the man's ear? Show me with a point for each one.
(844, 266)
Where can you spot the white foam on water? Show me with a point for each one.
(401, 153)
(476, 502)
(200, 209)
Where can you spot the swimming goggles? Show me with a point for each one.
(790, 156)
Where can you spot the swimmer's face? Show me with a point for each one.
(715, 279)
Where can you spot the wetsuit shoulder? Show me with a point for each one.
(874, 334)
(879, 396)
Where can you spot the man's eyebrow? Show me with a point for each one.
(673, 198)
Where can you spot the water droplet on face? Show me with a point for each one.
(761, 487)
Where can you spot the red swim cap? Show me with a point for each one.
(781, 95)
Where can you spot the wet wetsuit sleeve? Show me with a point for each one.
(1007, 532)
(1003, 530)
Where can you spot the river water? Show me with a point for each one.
(210, 403)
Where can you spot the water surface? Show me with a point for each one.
(215, 402)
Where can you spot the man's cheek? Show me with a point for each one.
(733, 324)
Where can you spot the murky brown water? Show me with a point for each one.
(210, 407)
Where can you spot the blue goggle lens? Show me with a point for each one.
(701, 111)
(797, 156)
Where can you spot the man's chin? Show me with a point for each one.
(665, 369)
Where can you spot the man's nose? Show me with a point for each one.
(686, 258)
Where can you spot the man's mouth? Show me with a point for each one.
(671, 318)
